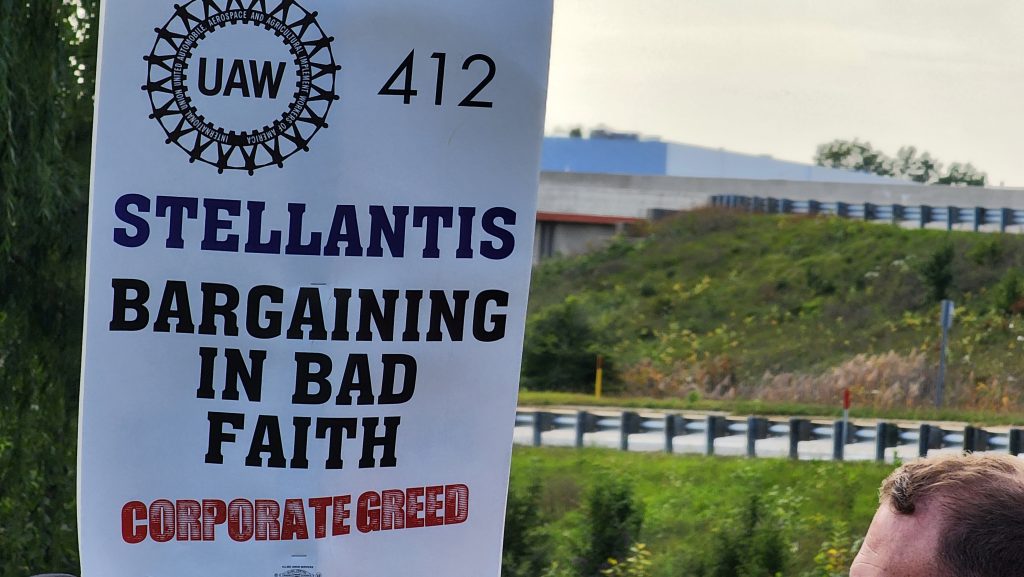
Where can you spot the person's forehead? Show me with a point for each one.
(906, 545)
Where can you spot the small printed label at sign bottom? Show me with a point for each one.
(298, 566)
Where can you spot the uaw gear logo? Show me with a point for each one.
(241, 84)
(297, 573)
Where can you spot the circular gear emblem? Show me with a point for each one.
(241, 88)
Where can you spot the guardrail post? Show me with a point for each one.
(870, 211)
(673, 425)
(979, 217)
(969, 440)
(926, 216)
(714, 428)
(925, 439)
(1005, 219)
(975, 439)
(981, 437)
(886, 435)
(710, 424)
(799, 430)
(773, 206)
(585, 423)
(629, 424)
(1016, 439)
(899, 213)
(542, 422)
(813, 207)
(757, 428)
(881, 430)
(787, 206)
(952, 216)
(838, 440)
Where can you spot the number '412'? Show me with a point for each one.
(403, 76)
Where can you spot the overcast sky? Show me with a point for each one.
(780, 77)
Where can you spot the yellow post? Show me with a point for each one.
(600, 375)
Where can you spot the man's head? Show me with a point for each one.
(948, 516)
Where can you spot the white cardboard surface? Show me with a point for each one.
(182, 473)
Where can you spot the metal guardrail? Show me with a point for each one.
(922, 215)
(882, 434)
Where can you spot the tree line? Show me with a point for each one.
(47, 63)
(907, 164)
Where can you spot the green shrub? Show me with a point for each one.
(561, 350)
(988, 251)
(613, 519)
(525, 552)
(937, 272)
(818, 282)
(1009, 292)
(750, 543)
(836, 553)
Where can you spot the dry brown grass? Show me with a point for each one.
(711, 378)
(886, 381)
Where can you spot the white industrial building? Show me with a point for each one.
(591, 188)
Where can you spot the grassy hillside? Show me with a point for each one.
(718, 304)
